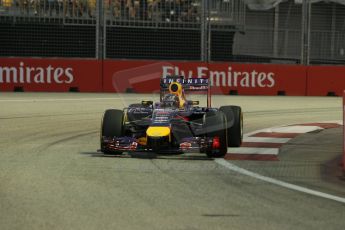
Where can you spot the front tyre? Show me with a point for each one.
(215, 127)
(112, 126)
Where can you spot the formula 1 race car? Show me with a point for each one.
(173, 125)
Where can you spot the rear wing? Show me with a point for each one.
(188, 84)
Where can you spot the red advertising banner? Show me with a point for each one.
(258, 79)
(244, 79)
(326, 80)
(343, 163)
(50, 75)
(142, 76)
(61, 75)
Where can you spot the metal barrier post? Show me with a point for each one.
(203, 31)
(99, 29)
(305, 46)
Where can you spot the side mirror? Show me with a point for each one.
(147, 103)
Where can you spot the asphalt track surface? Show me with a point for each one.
(51, 176)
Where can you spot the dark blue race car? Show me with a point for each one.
(173, 125)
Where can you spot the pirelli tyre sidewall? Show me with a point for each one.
(234, 119)
(215, 126)
(112, 126)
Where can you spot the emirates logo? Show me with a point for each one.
(38, 75)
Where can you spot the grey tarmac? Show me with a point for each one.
(52, 177)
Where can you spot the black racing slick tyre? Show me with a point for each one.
(215, 126)
(112, 126)
(234, 119)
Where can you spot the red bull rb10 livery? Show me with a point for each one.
(174, 125)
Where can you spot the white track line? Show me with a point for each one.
(266, 140)
(285, 129)
(293, 129)
(235, 168)
(252, 150)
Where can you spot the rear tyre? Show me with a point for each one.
(234, 119)
(112, 126)
(215, 126)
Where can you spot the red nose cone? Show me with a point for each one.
(216, 143)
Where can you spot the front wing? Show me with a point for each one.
(130, 144)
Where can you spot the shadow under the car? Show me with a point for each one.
(185, 156)
(151, 155)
